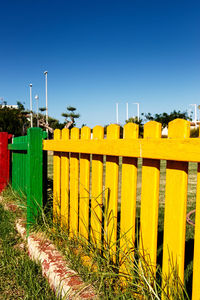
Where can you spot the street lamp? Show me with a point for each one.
(45, 74)
(37, 100)
(138, 110)
(127, 111)
(195, 113)
(117, 112)
(31, 108)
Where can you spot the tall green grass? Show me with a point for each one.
(20, 278)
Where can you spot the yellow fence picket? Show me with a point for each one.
(128, 197)
(150, 200)
(56, 179)
(84, 187)
(175, 207)
(196, 261)
(65, 183)
(97, 191)
(74, 186)
(111, 193)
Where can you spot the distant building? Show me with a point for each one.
(9, 106)
(165, 131)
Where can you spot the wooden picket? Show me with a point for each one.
(19, 157)
(64, 209)
(56, 181)
(111, 193)
(84, 188)
(150, 199)
(97, 191)
(74, 186)
(196, 260)
(175, 206)
(4, 159)
(128, 197)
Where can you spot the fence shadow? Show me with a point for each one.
(189, 253)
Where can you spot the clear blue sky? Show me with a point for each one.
(99, 52)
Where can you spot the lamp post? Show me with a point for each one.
(37, 100)
(138, 110)
(117, 113)
(31, 107)
(199, 108)
(127, 111)
(195, 113)
(45, 74)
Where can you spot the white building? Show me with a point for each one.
(9, 106)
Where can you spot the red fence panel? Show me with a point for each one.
(4, 159)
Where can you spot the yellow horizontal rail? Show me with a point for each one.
(185, 149)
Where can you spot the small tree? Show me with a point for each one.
(165, 118)
(52, 123)
(14, 120)
(42, 109)
(72, 115)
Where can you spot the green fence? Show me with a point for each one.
(27, 170)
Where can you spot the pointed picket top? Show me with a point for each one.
(152, 129)
(65, 134)
(113, 131)
(98, 132)
(131, 131)
(75, 133)
(179, 128)
(85, 133)
(57, 134)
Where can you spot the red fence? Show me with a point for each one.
(4, 159)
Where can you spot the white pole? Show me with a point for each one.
(198, 111)
(45, 73)
(117, 113)
(195, 113)
(138, 110)
(31, 107)
(127, 111)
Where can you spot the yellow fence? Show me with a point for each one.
(86, 178)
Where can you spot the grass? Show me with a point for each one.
(135, 281)
(20, 278)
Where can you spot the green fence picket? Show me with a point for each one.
(27, 170)
(34, 174)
